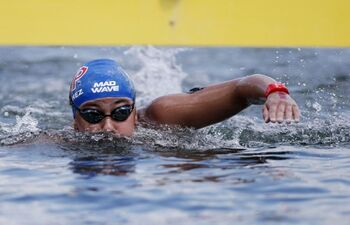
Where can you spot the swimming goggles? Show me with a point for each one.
(95, 116)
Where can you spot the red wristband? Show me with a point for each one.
(276, 87)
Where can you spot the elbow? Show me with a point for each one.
(258, 76)
(255, 80)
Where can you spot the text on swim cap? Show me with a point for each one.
(77, 94)
(107, 86)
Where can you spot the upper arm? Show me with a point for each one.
(202, 108)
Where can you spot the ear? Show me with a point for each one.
(75, 126)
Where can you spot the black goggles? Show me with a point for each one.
(94, 116)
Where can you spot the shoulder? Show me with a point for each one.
(162, 108)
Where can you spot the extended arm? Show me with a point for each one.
(218, 102)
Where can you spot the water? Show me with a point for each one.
(241, 170)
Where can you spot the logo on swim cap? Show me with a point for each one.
(98, 79)
(81, 72)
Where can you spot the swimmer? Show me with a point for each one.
(102, 97)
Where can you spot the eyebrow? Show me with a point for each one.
(121, 101)
(92, 104)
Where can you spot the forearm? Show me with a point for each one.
(252, 88)
(278, 106)
(210, 105)
(218, 102)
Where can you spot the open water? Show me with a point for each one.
(241, 171)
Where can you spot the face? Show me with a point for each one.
(106, 106)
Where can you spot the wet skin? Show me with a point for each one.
(106, 106)
(207, 106)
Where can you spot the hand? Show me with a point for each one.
(280, 107)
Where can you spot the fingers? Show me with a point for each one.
(289, 114)
(272, 113)
(279, 108)
(266, 114)
(296, 113)
(281, 112)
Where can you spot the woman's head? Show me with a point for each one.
(102, 97)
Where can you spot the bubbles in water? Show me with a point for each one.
(317, 106)
(314, 105)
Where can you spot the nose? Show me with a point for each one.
(108, 125)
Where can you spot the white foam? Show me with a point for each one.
(159, 74)
(27, 123)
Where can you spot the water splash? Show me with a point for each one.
(25, 128)
(187, 139)
(159, 74)
(242, 131)
(237, 132)
(23, 124)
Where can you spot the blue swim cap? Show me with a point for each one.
(100, 78)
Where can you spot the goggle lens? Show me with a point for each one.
(121, 113)
(95, 116)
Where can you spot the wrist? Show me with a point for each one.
(275, 87)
